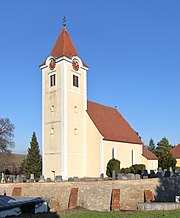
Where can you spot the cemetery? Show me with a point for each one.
(154, 191)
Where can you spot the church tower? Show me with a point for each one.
(64, 105)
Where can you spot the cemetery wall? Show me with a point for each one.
(96, 195)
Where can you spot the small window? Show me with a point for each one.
(75, 81)
(53, 80)
(52, 108)
(52, 131)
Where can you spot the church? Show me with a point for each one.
(79, 137)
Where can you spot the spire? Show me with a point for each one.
(64, 46)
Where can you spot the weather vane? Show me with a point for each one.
(64, 21)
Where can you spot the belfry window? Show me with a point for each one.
(52, 80)
(75, 81)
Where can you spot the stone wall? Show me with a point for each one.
(96, 195)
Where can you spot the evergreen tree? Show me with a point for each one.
(33, 161)
(151, 145)
(165, 158)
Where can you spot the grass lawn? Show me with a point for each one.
(94, 214)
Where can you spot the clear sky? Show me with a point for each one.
(131, 46)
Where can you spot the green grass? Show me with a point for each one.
(148, 214)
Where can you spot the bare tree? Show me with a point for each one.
(6, 134)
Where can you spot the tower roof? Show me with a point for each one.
(64, 47)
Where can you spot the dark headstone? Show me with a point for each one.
(167, 174)
(58, 178)
(70, 179)
(48, 180)
(102, 176)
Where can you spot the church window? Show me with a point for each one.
(75, 81)
(75, 109)
(52, 80)
(52, 108)
(132, 156)
(52, 131)
(75, 131)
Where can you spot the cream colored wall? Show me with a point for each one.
(53, 163)
(51, 120)
(123, 153)
(92, 149)
(150, 164)
(75, 123)
(178, 162)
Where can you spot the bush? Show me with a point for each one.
(139, 168)
(136, 169)
(113, 164)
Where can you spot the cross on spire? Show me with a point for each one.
(64, 21)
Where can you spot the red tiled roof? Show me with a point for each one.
(64, 46)
(111, 124)
(148, 154)
(176, 151)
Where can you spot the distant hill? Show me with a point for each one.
(18, 159)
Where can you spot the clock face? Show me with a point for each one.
(52, 64)
(75, 65)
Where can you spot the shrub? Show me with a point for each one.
(139, 168)
(113, 164)
(136, 169)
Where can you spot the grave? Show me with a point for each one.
(113, 175)
(58, 178)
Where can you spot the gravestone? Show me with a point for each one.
(145, 175)
(70, 179)
(3, 178)
(137, 176)
(19, 179)
(32, 178)
(73, 198)
(130, 176)
(41, 179)
(167, 173)
(113, 174)
(124, 177)
(102, 176)
(120, 175)
(75, 178)
(48, 179)
(115, 200)
(152, 174)
(58, 178)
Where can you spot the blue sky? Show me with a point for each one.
(132, 48)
